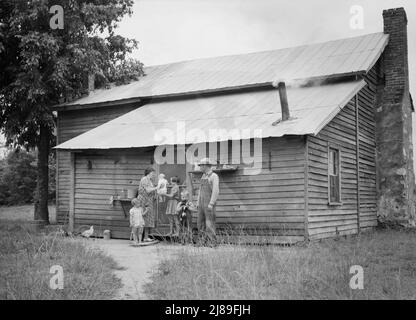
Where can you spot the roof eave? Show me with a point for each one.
(69, 107)
(341, 106)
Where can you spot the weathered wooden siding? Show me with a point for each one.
(272, 199)
(325, 220)
(110, 172)
(358, 192)
(70, 125)
(367, 151)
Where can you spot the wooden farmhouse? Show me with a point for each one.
(311, 142)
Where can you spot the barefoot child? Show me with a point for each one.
(136, 219)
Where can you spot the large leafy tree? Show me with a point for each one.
(41, 67)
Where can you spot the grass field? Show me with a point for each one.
(319, 270)
(27, 255)
(315, 271)
(24, 213)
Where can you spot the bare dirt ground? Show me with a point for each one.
(137, 263)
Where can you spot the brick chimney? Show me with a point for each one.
(394, 127)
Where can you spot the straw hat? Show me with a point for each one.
(206, 162)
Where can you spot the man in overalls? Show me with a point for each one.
(208, 195)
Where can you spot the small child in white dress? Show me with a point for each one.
(162, 187)
(136, 220)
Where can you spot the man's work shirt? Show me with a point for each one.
(212, 179)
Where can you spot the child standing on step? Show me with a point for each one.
(171, 207)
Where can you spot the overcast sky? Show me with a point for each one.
(174, 30)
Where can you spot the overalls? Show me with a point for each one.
(206, 217)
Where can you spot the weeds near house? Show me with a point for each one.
(26, 257)
(314, 271)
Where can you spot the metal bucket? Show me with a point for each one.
(107, 234)
(123, 194)
(131, 193)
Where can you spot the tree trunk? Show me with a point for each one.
(42, 194)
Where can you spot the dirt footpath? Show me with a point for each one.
(138, 263)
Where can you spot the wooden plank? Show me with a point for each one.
(352, 228)
(237, 186)
(226, 189)
(295, 213)
(357, 136)
(332, 233)
(72, 194)
(367, 174)
(334, 223)
(306, 196)
(222, 206)
(58, 216)
(224, 195)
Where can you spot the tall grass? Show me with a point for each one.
(26, 257)
(312, 271)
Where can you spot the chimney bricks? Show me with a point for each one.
(394, 127)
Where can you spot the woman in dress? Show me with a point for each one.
(148, 191)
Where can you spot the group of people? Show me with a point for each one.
(179, 205)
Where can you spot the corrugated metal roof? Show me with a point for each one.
(251, 112)
(339, 57)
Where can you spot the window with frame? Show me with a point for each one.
(334, 175)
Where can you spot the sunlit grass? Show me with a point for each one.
(319, 270)
(26, 256)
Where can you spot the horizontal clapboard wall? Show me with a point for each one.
(270, 201)
(326, 220)
(367, 152)
(98, 177)
(70, 125)
(352, 130)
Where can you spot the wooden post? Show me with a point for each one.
(57, 164)
(357, 135)
(306, 189)
(72, 194)
(283, 101)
